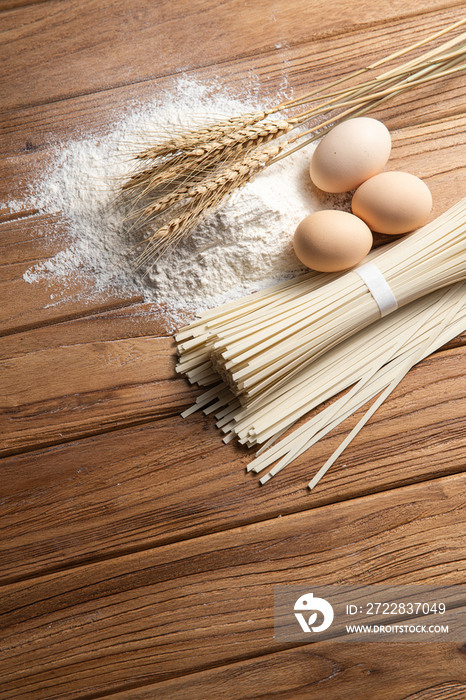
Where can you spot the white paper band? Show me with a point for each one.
(378, 287)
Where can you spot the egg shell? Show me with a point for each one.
(393, 202)
(349, 154)
(331, 240)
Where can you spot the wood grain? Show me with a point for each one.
(30, 242)
(324, 670)
(121, 38)
(133, 321)
(285, 70)
(444, 690)
(34, 295)
(174, 480)
(433, 150)
(107, 384)
(176, 610)
(13, 4)
(137, 560)
(127, 381)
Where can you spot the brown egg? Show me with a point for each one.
(331, 240)
(349, 154)
(392, 202)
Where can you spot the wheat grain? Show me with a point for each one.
(199, 200)
(189, 139)
(152, 191)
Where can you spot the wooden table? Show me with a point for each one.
(138, 560)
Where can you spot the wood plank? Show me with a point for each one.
(434, 152)
(173, 480)
(24, 236)
(28, 241)
(431, 148)
(324, 670)
(86, 389)
(49, 302)
(189, 606)
(113, 615)
(119, 43)
(13, 4)
(134, 321)
(29, 305)
(53, 298)
(25, 242)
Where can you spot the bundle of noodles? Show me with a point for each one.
(376, 357)
(261, 352)
(419, 329)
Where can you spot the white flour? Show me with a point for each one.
(245, 246)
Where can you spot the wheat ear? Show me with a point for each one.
(189, 139)
(199, 200)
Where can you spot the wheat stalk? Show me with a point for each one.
(182, 179)
(155, 189)
(191, 139)
(196, 201)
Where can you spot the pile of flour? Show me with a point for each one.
(246, 245)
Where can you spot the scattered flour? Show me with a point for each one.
(243, 247)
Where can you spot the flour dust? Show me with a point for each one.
(245, 246)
